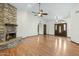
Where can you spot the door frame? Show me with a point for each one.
(64, 33)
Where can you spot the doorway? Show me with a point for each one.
(44, 29)
(40, 29)
(60, 29)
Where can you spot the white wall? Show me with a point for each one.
(40, 28)
(68, 20)
(27, 23)
(50, 27)
(75, 24)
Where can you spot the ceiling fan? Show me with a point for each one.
(40, 13)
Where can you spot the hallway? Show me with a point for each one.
(47, 45)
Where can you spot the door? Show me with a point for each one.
(44, 29)
(61, 29)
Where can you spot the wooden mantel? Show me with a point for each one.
(7, 24)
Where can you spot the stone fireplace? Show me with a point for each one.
(8, 18)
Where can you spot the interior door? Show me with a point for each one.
(44, 29)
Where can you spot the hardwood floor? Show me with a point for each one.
(43, 46)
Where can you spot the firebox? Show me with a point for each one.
(10, 36)
(10, 31)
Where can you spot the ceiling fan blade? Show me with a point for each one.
(35, 15)
(45, 13)
(33, 12)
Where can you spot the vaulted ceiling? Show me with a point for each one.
(54, 10)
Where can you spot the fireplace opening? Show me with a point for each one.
(10, 31)
(10, 36)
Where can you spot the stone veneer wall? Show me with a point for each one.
(7, 16)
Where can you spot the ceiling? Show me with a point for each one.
(54, 10)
